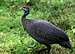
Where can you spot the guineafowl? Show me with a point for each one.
(44, 32)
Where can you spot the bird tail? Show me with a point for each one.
(68, 44)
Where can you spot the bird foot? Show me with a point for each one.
(41, 51)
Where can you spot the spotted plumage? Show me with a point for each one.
(45, 32)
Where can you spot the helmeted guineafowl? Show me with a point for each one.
(45, 32)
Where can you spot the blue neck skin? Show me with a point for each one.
(25, 14)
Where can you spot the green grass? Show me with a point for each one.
(14, 40)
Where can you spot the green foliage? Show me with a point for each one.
(14, 40)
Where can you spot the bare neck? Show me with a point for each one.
(25, 20)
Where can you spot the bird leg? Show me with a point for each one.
(71, 50)
(41, 51)
(48, 48)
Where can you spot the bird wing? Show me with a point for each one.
(47, 32)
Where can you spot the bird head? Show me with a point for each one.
(26, 10)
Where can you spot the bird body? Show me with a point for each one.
(45, 32)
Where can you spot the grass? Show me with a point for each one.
(14, 40)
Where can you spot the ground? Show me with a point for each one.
(14, 40)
